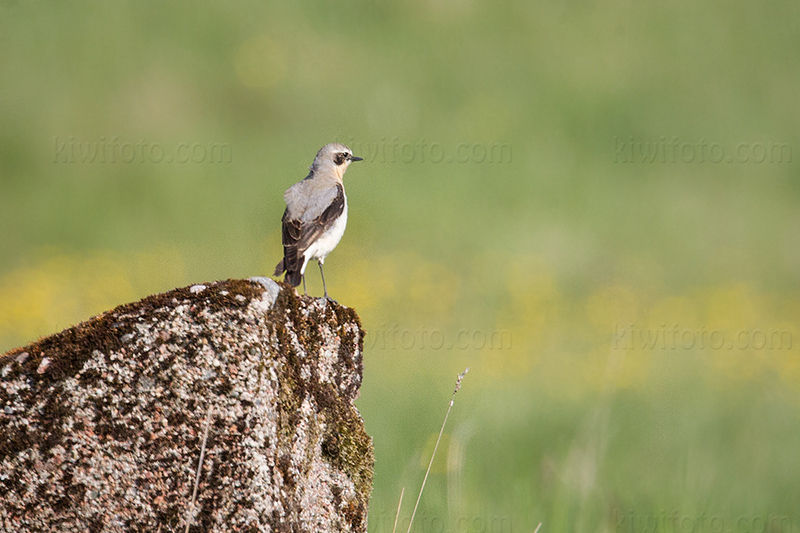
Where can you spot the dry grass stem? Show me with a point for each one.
(436, 446)
(190, 513)
(397, 516)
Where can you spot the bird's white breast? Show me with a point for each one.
(328, 240)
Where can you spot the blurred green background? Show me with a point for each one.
(548, 187)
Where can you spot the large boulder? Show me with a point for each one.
(103, 425)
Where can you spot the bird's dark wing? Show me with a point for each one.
(291, 261)
(298, 236)
(311, 231)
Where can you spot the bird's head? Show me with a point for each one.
(334, 158)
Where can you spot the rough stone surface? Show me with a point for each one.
(102, 425)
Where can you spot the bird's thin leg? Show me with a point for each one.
(304, 285)
(321, 273)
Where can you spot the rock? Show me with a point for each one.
(102, 425)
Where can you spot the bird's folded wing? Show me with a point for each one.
(311, 231)
(299, 232)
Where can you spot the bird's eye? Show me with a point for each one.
(340, 158)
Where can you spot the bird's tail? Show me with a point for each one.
(279, 268)
(293, 277)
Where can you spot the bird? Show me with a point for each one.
(316, 215)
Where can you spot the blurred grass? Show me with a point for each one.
(556, 247)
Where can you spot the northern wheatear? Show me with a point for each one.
(316, 214)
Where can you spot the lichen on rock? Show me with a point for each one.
(102, 425)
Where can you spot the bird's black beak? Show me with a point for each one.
(354, 158)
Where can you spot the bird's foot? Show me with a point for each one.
(329, 299)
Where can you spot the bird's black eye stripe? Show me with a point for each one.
(340, 158)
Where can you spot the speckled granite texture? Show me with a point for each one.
(102, 425)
